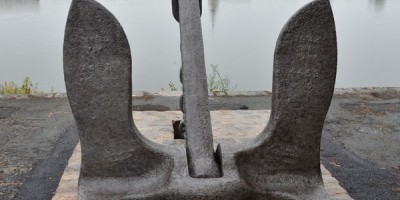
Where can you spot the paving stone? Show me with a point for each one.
(163, 134)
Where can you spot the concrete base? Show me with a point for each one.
(228, 127)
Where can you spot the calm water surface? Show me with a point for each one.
(239, 36)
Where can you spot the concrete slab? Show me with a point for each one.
(228, 126)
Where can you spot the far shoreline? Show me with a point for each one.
(246, 93)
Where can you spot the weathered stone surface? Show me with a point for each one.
(198, 136)
(175, 8)
(97, 68)
(303, 83)
(119, 163)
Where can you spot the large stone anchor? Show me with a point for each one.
(118, 162)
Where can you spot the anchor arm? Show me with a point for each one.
(303, 82)
(97, 70)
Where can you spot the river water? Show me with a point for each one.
(239, 37)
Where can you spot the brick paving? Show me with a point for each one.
(228, 126)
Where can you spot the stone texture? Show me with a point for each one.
(119, 163)
(198, 134)
(228, 127)
(303, 83)
(97, 68)
(175, 8)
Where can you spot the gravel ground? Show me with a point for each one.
(360, 143)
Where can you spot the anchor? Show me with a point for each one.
(118, 162)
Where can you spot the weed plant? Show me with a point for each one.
(216, 82)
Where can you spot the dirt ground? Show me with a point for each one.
(30, 129)
(360, 143)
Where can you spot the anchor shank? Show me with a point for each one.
(199, 141)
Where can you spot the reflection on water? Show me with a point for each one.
(19, 6)
(379, 5)
(213, 7)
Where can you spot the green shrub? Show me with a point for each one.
(14, 88)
